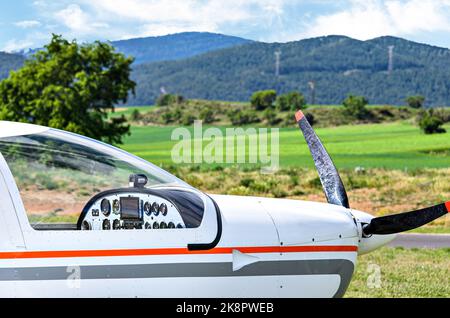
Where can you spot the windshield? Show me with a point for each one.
(57, 172)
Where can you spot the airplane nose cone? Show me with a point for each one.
(369, 244)
(374, 242)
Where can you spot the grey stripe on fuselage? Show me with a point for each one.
(342, 267)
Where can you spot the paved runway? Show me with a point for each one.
(422, 241)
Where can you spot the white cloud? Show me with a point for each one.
(87, 20)
(26, 24)
(155, 29)
(171, 16)
(74, 18)
(39, 3)
(371, 18)
(265, 20)
(416, 15)
(15, 45)
(30, 40)
(191, 11)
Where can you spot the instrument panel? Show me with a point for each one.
(131, 211)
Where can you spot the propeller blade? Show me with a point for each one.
(397, 223)
(329, 177)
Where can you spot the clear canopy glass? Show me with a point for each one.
(58, 172)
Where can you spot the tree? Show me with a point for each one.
(355, 106)
(187, 119)
(431, 124)
(282, 103)
(415, 101)
(290, 101)
(239, 117)
(136, 115)
(71, 87)
(207, 115)
(169, 99)
(310, 118)
(296, 101)
(270, 116)
(263, 99)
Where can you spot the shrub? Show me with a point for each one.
(243, 191)
(315, 183)
(263, 99)
(415, 101)
(239, 117)
(136, 115)
(310, 118)
(279, 193)
(431, 124)
(260, 186)
(247, 182)
(355, 106)
(442, 113)
(282, 103)
(167, 118)
(194, 180)
(188, 119)
(290, 101)
(296, 101)
(207, 115)
(271, 117)
(169, 99)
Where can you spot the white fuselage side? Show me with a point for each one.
(249, 261)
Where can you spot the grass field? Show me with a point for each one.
(404, 273)
(393, 146)
(128, 110)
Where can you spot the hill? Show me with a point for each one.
(175, 46)
(338, 65)
(221, 113)
(149, 49)
(9, 62)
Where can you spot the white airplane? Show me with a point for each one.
(80, 218)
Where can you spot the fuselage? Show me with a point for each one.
(289, 251)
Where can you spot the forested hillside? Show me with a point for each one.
(175, 46)
(9, 62)
(338, 65)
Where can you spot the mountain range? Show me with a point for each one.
(175, 46)
(337, 65)
(219, 67)
(9, 62)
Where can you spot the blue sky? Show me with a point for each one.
(29, 23)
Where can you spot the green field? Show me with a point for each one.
(404, 273)
(393, 146)
(128, 110)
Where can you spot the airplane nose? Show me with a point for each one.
(373, 242)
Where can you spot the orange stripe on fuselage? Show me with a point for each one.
(447, 205)
(175, 251)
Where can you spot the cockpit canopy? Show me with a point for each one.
(58, 172)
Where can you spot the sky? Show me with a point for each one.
(29, 23)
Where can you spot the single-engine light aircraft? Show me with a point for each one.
(80, 218)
